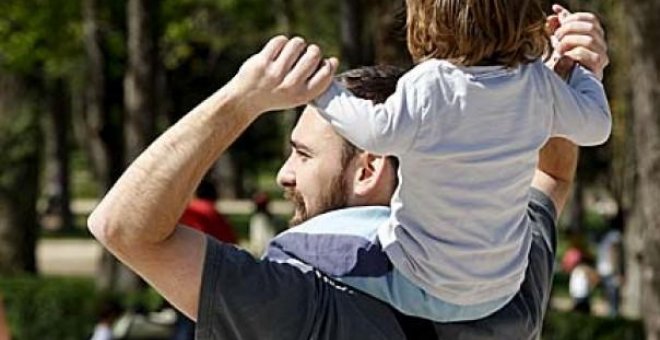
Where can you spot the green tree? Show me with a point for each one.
(38, 53)
(20, 142)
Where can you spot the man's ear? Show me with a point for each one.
(368, 179)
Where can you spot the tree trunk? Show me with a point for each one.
(623, 169)
(102, 131)
(352, 42)
(20, 142)
(390, 33)
(102, 136)
(140, 80)
(645, 74)
(58, 188)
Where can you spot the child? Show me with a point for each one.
(466, 125)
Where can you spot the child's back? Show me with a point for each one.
(468, 137)
(467, 157)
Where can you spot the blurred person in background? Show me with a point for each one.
(610, 263)
(202, 215)
(262, 226)
(108, 313)
(575, 253)
(582, 281)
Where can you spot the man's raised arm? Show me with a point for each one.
(581, 39)
(137, 220)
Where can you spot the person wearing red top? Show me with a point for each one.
(202, 215)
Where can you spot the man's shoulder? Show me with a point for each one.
(244, 298)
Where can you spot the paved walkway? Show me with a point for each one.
(68, 257)
(242, 207)
(75, 257)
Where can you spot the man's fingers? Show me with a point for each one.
(274, 47)
(579, 27)
(288, 57)
(588, 58)
(580, 16)
(305, 66)
(580, 40)
(320, 81)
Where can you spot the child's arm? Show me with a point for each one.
(386, 129)
(582, 113)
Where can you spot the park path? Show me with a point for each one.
(68, 257)
(84, 207)
(79, 257)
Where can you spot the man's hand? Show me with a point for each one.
(580, 38)
(285, 74)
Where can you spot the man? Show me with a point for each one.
(240, 298)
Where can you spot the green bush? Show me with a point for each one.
(50, 308)
(57, 308)
(575, 326)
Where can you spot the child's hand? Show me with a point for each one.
(285, 74)
(580, 38)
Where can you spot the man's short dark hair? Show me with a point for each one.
(375, 83)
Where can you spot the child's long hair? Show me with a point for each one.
(477, 32)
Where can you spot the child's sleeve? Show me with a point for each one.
(386, 129)
(582, 113)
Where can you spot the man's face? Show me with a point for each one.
(313, 177)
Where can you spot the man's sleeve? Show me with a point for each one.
(243, 298)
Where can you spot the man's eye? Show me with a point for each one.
(302, 155)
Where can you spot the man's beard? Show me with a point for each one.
(333, 198)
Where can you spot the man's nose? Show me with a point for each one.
(286, 176)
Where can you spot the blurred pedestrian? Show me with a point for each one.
(575, 253)
(262, 226)
(201, 214)
(610, 263)
(580, 286)
(109, 311)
